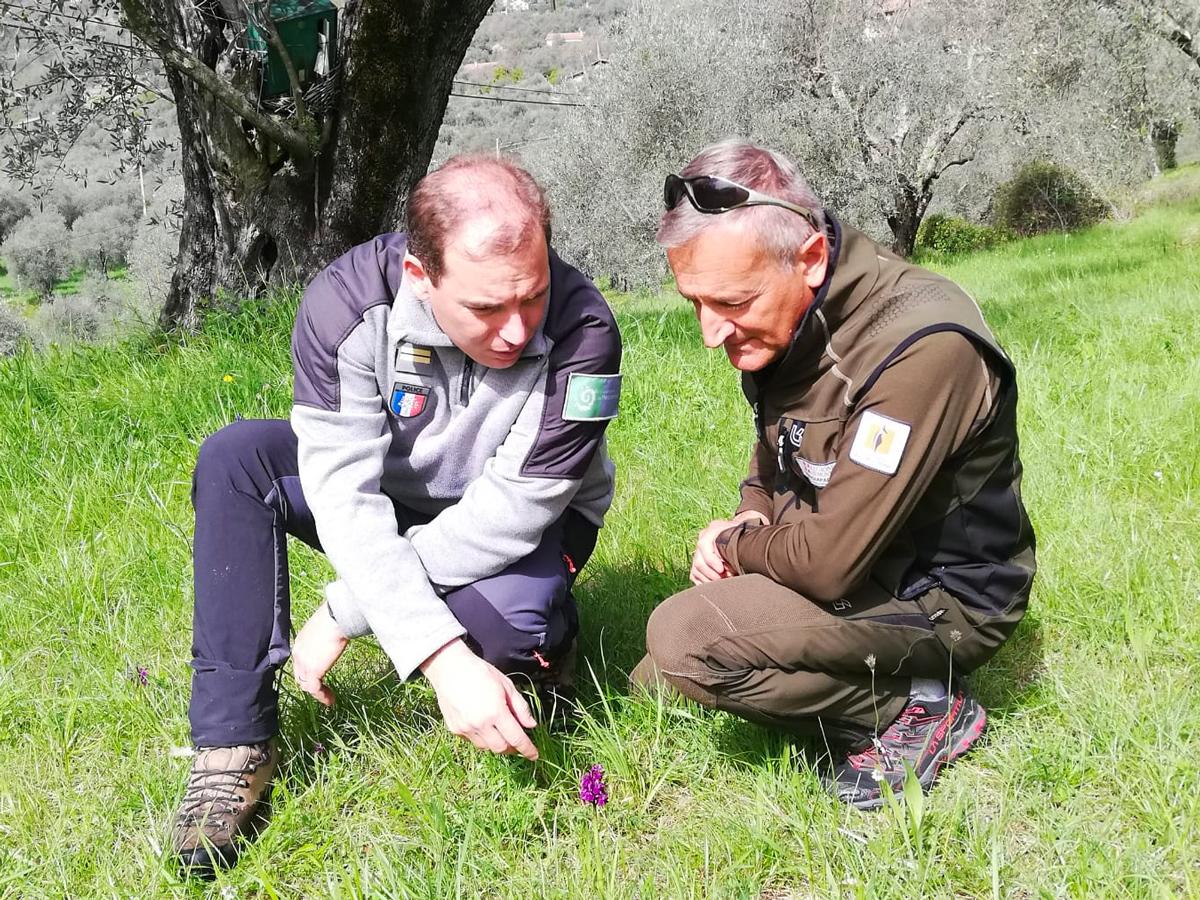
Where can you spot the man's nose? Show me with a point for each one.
(514, 331)
(715, 329)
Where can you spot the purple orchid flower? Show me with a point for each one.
(592, 788)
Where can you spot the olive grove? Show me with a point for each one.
(888, 106)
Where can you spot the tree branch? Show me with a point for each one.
(139, 20)
(955, 162)
(264, 12)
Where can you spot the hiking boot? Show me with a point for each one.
(224, 801)
(927, 735)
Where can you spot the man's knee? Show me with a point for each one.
(516, 631)
(239, 454)
(222, 453)
(678, 633)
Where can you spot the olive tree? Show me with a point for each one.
(1151, 56)
(668, 91)
(37, 251)
(875, 101)
(275, 187)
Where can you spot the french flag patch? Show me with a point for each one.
(408, 400)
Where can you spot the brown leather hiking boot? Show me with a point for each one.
(225, 799)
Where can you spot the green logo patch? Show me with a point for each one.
(592, 398)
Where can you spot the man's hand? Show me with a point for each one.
(707, 562)
(479, 702)
(317, 647)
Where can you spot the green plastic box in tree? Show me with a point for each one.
(308, 29)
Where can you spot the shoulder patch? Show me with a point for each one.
(879, 443)
(591, 398)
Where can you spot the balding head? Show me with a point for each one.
(485, 205)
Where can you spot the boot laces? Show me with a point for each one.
(213, 793)
(885, 753)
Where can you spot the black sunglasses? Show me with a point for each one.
(713, 194)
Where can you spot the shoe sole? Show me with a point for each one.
(966, 731)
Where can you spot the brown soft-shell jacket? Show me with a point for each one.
(897, 362)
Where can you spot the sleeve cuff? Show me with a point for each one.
(406, 655)
(341, 607)
(726, 543)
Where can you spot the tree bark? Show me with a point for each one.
(269, 200)
(908, 209)
(1164, 135)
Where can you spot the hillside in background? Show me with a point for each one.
(527, 56)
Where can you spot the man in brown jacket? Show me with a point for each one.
(880, 549)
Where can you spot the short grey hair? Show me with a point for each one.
(779, 230)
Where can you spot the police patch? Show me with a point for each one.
(879, 443)
(408, 400)
(591, 398)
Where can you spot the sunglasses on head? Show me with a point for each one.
(714, 194)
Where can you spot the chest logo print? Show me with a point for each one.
(408, 400)
(879, 443)
(818, 474)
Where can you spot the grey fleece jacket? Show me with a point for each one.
(386, 409)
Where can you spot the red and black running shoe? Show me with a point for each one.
(927, 735)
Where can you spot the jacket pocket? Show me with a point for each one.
(920, 584)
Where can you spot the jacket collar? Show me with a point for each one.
(853, 270)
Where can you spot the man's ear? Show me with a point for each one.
(813, 259)
(416, 276)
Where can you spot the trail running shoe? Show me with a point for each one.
(224, 801)
(926, 735)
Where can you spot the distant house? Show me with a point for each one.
(554, 38)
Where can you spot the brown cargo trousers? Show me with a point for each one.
(842, 671)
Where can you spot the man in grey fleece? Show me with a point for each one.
(445, 450)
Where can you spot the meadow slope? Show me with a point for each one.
(1088, 782)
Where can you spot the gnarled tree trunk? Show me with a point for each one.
(274, 195)
(907, 212)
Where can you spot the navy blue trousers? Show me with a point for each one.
(247, 497)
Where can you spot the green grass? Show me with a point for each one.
(1087, 784)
